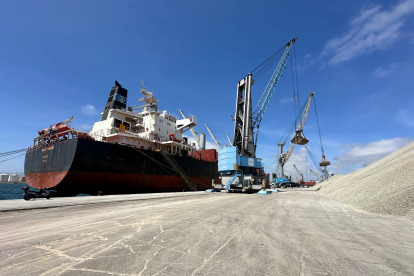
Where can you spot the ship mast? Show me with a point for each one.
(149, 100)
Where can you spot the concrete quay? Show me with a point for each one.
(39, 203)
(294, 232)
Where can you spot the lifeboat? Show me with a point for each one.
(57, 130)
(172, 138)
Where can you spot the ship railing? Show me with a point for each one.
(112, 130)
(121, 109)
(118, 126)
(127, 128)
(51, 138)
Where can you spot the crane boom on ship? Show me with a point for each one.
(201, 141)
(214, 138)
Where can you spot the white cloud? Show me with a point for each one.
(371, 30)
(210, 145)
(89, 110)
(371, 152)
(301, 160)
(354, 157)
(382, 72)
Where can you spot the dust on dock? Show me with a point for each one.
(294, 232)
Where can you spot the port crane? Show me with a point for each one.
(238, 165)
(201, 142)
(278, 178)
(299, 173)
(318, 177)
(324, 163)
(321, 166)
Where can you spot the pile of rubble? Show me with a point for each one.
(385, 187)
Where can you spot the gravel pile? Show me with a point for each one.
(385, 187)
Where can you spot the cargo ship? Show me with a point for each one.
(130, 150)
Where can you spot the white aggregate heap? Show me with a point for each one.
(385, 187)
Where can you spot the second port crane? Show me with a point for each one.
(299, 138)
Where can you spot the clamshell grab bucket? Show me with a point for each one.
(299, 139)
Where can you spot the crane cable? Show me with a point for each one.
(292, 127)
(12, 158)
(268, 59)
(267, 67)
(13, 152)
(294, 72)
(313, 158)
(267, 64)
(25, 150)
(161, 164)
(317, 120)
(294, 92)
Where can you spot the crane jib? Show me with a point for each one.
(268, 92)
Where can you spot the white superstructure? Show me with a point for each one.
(13, 178)
(147, 129)
(4, 178)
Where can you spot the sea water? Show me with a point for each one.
(15, 191)
(12, 190)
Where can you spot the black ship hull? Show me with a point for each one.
(77, 166)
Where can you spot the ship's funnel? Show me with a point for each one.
(117, 99)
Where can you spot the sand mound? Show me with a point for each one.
(385, 187)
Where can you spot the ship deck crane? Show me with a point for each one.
(231, 143)
(298, 138)
(201, 142)
(241, 173)
(214, 138)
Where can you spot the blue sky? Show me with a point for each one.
(60, 59)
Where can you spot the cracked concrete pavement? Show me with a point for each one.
(295, 232)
